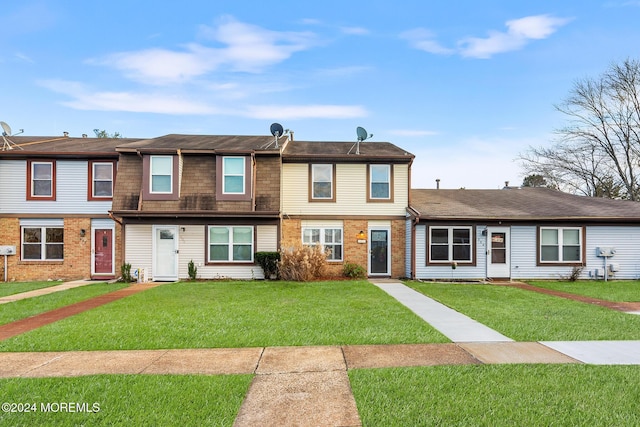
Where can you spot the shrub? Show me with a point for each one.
(354, 271)
(193, 270)
(269, 263)
(575, 273)
(125, 272)
(302, 263)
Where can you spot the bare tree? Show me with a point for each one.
(598, 152)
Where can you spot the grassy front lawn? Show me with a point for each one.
(21, 309)
(126, 400)
(12, 288)
(613, 290)
(529, 316)
(236, 314)
(498, 395)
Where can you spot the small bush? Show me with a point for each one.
(269, 263)
(354, 271)
(193, 270)
(575, 274)
(302, 263)
(125, 272)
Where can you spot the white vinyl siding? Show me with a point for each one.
(351, 192)
(72, 181)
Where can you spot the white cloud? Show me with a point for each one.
(292, 112)
(423, 39)
(355, 31)
(244, 47)
(519, 32)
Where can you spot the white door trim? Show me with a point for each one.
(155, 255)
(499, 270)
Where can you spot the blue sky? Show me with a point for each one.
(464, 85)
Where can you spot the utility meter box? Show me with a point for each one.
(7, 250)
(605, 252)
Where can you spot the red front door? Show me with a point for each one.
(103, 251)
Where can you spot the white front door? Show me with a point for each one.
(165, 254)
(379, 251)
(498, 253)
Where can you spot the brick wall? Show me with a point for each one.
(77, 253)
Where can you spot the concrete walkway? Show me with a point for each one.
(48, 290)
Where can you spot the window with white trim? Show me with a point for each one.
(42, 243)
(102, 180)
(161, 170)
(560, 244)
(233, 173)
(322, 182)
(380, 182)
(42, 182)
(329, 239)
(450, 244)
(230, 244)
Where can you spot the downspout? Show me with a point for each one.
(140, 194)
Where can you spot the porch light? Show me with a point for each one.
(362, 237)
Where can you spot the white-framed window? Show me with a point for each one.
(329, 239)
(230, 244)
(450, 244)
(233, 175)
(560, 244)
(322, 182)
(161, 170)
(42, 243)
(380, 182)
(102, 180)
(42, 180)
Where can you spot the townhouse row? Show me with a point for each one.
(75, 208)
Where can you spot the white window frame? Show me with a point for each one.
(43, 243)
(371, 182)
(322, 241)
(225, 174)
(94, 179)
(560, 246)
(33, 179)
(151, 174)
(313, 181)
(450, 244)
(230, 244)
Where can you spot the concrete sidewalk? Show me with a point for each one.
(48, 290)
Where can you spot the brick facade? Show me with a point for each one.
(77, 253)
(353, 252)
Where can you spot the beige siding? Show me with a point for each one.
(266, 238)
(138, 247)
(351, 192)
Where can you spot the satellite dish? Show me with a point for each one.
(7, 143)
(362, 135)
(6, 128)
(277, 130)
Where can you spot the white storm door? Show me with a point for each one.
(498, 252)
(165, 256)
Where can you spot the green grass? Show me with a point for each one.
(529, 316)
(12, 288)
(127, 400)
(21, 309)
(498, 395)
(236, 314)
(614, 290)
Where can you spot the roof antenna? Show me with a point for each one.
(362, 136)
(6, 132)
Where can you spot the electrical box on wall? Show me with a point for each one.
(7, 250)
(605, 252)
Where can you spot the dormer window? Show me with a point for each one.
(233, 172)
(161, 181)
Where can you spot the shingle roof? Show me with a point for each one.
(518, 204)
(301, 150)
(204, 143)
(61, 145)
